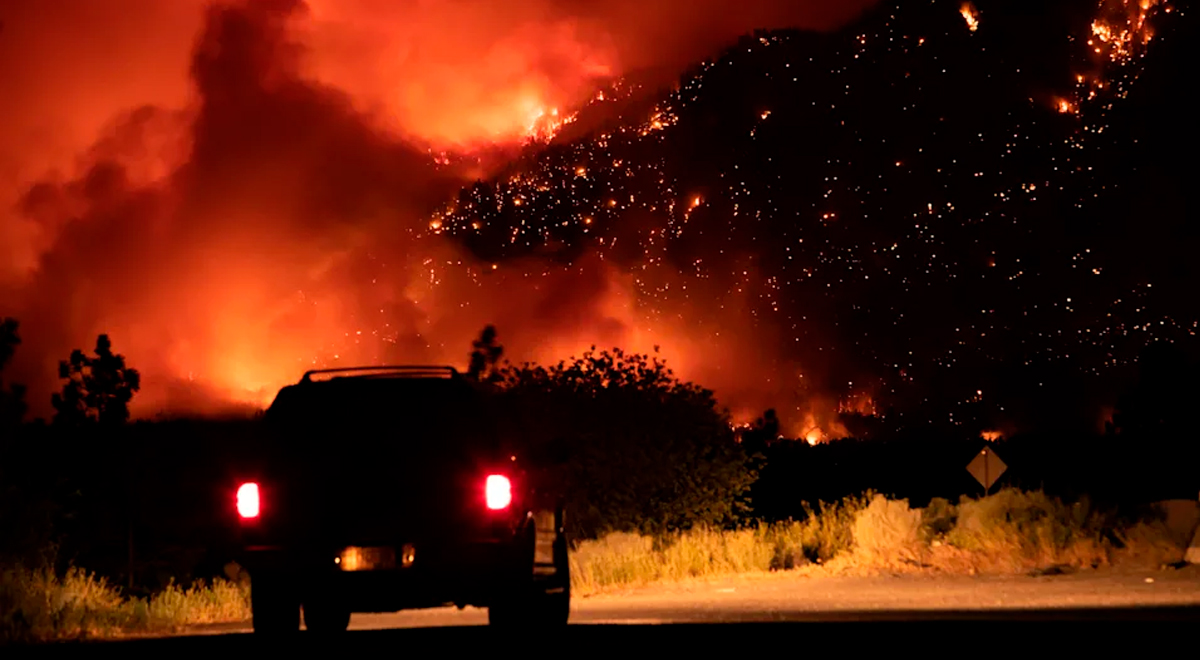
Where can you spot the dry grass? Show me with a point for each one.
(39, 605)
(1010, 532)
(220, 602)
(620, 560)
(888, 532)
(625, 560)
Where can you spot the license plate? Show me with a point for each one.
(367, 559)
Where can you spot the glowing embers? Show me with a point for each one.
(1066, 107)
(1123, 28)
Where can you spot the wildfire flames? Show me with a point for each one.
(240, 191)
(215, 223)
(815, 436)
(1122, 31)
(1119, 36)
(970, 15)
(546, 125)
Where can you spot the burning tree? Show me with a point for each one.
(98, 389)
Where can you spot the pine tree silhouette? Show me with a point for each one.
(98, 389)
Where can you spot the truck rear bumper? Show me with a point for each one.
(465, 574)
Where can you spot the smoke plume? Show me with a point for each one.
(236, 192)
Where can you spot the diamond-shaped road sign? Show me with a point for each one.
(986, 467)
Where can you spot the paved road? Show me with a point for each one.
(785, 597)
(1086, 609)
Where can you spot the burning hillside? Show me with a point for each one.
(808, 221)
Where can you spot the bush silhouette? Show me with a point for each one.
(645, 452)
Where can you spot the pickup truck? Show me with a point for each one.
(379, 489)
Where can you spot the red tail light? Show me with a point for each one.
(498, 491)
(247, 500)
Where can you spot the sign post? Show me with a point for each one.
(986, 467)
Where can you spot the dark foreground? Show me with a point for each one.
(956, 633)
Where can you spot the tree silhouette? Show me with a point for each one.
(8, 340)
(763, 433)
(12, 397)
(98, 389)
(646, 451)
(485, 355)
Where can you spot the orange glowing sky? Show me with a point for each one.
(194, 177)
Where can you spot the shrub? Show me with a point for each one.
(1008, 532)
(201, 603)
(37, 605)
(1014, 530)
(825, 532)
(938, 518)
(887, 532)
(647, 452)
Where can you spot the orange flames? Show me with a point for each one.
(1120, 34)
(860, 404)
(456, 75)
(1122, 30)
(240, 191)
(970, 15)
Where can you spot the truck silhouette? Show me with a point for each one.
(380, 489)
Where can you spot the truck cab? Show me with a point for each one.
(380, 489)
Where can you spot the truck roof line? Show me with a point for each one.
(400, 371)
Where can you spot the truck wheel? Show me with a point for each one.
(326, 615)
(536, 603)
(556, 601)
(274, 606)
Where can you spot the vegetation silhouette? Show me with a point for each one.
(485, 356)
(626, 444)
(98, 389)
(12, 396)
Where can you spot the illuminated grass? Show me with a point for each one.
(38, 605)
(623, 560)
(1010, 532)
(220, 602)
